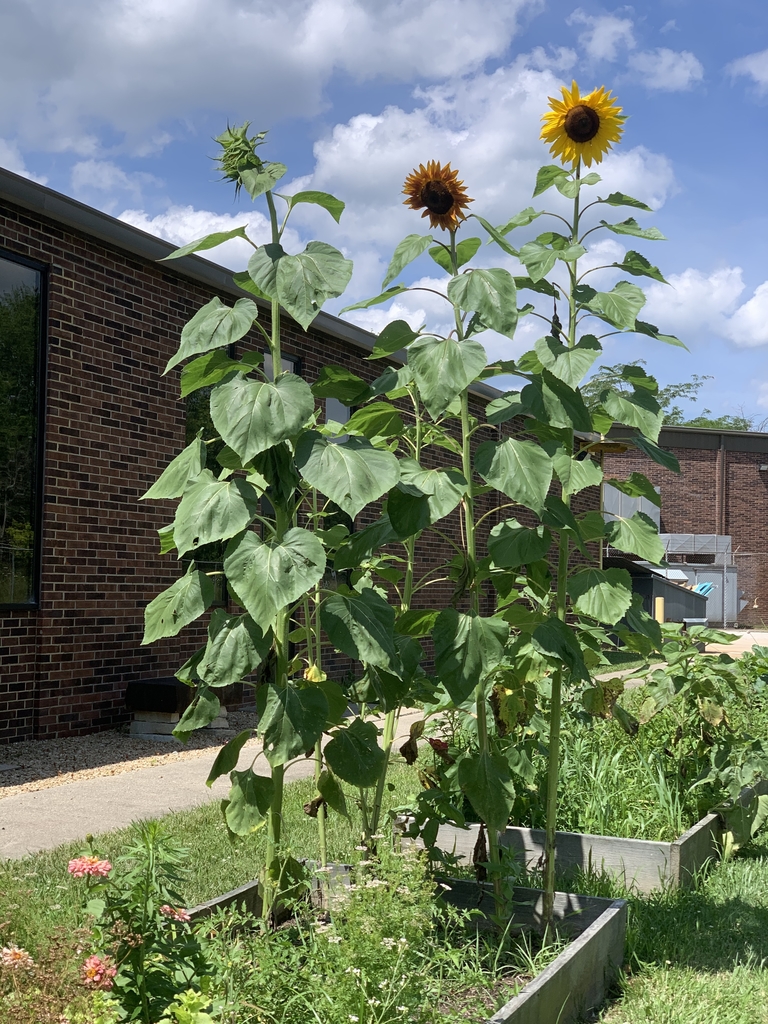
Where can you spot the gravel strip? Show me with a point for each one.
(41, 764)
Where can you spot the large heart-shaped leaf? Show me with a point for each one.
(395, 336)
(253, 416)
(638, 535)
(267, 577)
(511, 544)
(207, 370)
(330, 789)
(520, 469)
(360, 545)
(575, 474)
(640, 409)
(306, 281)
(489, 293)
(228, 756)
(236, 646)
(352, 474)
(486, 782)
(442, 368)
(249, 800)
(467, 648)
(291, 720)
(258, 180)
(603, 594)
(201, 712)
(178, 474)
(621, 304)
(354, 754)
(554, 639)
(568, 364)
(213, 510)
(362, 625)
(177, 606)
(262, 269)
(405, 252)
(328, 202)
(214, 326)
(422, 497)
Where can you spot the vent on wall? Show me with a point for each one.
(615, 503)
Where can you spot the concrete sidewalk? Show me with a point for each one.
(44, 819)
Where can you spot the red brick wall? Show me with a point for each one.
(690, 503)
(113, 424)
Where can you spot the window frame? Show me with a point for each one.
(40, 419)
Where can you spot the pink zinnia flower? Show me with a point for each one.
(98, 972)
(175, 913)
(82, 866)
(16, 958)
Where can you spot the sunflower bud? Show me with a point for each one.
(239, 153)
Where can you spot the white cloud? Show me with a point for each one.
(141, 68)
(696, 303)
(754, 66)
(605, 36)
(748, 327)
(669, 26)
(487, 125)
(666, 69)
(92, 178)
(699, 304)
(182, 224)
(12, 160)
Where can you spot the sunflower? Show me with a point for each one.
(435, 189)
(582, 127)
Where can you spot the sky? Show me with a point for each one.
(116, 103)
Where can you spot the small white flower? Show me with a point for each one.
(388, 943)
(354, 1018)
(402, 1009)
(403, 890)
(362, 849)
(323, 871)
(364, 863)
(446, 887)
(402, 941)
(335, 939)
(379, 835)
(383, 984)
(353, 970)
(374, 1002)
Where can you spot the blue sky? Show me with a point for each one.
(115, 102)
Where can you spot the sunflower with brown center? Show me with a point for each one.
(437, 191)
(582, 127)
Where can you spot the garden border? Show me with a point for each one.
(576, 982)
(642, 864)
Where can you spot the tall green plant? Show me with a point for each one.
(262, 499)
(534, 448)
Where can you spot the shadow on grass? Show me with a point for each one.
(715, 927)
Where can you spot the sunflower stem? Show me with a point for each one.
(555, 712)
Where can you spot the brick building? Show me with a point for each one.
(96, 319)
(720, 492)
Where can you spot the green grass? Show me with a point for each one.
(37, 894)
(697, 956)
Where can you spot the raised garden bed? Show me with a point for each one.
(640, 864)
(575, 983)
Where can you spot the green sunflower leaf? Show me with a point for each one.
(328, 202)
(489, 293)
(631, 227)
(177, 606)
(411, 247)
(465, 250)
(216, 325)
(352, 474)
(179, 473)
(395, 336)
(619, 199)
(253, 416)
(390, 293)
(208, 242)
(548, 176)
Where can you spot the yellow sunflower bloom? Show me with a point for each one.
(437, 191)
(582, 127)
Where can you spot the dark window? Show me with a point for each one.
(289, 364)
(21, 433)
